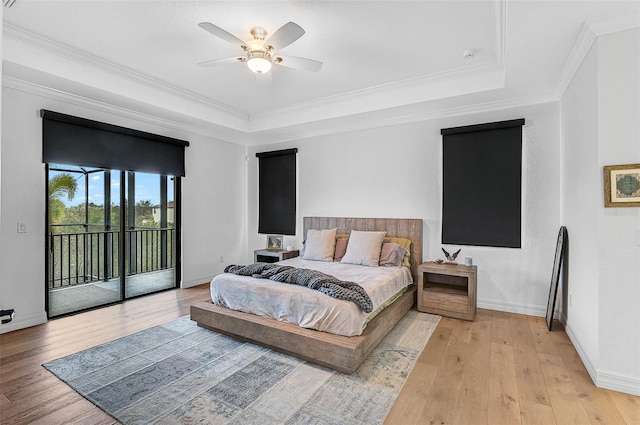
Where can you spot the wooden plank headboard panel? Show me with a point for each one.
(410, 228)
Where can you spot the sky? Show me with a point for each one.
(147, 187)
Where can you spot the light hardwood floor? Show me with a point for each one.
(505, 369)
(500, 369)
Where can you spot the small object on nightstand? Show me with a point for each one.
(447, 290)
(273, 255)
(451, 258)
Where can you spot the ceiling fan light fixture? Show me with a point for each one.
(259, 65)
(259, 52)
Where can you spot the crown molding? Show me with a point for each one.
(500, 30)
(589, 33)
(411, 83)
(371, 120)
(307, 130)
(465, 80)
(221, 133)
(600, 27)
(34, 40)
(580, 50)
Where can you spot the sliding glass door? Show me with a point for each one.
(150, 234)
(111, 236)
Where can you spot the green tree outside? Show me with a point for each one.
(59, 186)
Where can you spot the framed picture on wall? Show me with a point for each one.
(622, 185)
(274, 241)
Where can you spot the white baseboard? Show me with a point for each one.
(613, 381)
(603, 378)
(195, 282)
(591, 370)
(22, 321)
(530, 310)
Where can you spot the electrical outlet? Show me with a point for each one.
(22, 227)
(222, 259)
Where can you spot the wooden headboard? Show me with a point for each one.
(410, 228)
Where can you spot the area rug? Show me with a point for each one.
(180, 373)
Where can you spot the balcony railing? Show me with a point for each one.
(85, 257)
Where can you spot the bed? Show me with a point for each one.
(342, 353)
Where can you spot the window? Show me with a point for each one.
(481, 189)
(113, 212)
(277, 192)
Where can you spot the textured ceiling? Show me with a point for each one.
(376, 55)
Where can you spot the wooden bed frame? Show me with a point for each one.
(333, 351)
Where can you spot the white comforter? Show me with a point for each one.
(306, 307)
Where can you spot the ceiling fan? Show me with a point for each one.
(259, 53)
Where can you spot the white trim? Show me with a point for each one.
(362, 122)
(589, 32)
(414, 84)
(415, 91)
(529, 310)
(324, 128)
(24, 36)
(195, 282)
(620, 23)
(603, 378)
(85, 102)
(580, 50)
(500, 30)
(591, 370)
(613, 381)
(26, 321)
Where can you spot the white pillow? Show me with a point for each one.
(364, 248)
(320, 245)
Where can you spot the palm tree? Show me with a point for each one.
(60, 185)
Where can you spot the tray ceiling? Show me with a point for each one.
(388, 56)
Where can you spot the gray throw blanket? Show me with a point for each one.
(328, 285)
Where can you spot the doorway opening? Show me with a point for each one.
(111, 236)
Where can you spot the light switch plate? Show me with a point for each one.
(22, 227)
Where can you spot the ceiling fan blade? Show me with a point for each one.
(285, 35)
(300, 63)
(220, 33)
(223, 61)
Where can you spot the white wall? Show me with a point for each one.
(600, 111)
(213, 209)
(619, 247)
(213, 194)
(581, 202)
(396, 172)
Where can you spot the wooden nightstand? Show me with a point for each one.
(273, 255)
(447, 290)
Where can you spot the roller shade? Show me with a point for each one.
(277, 192)
(482, 184)
(78, 141)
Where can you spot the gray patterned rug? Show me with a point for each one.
(179, 373)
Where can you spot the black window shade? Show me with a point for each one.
(277, 192)
(78, 141)
(482, 179)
